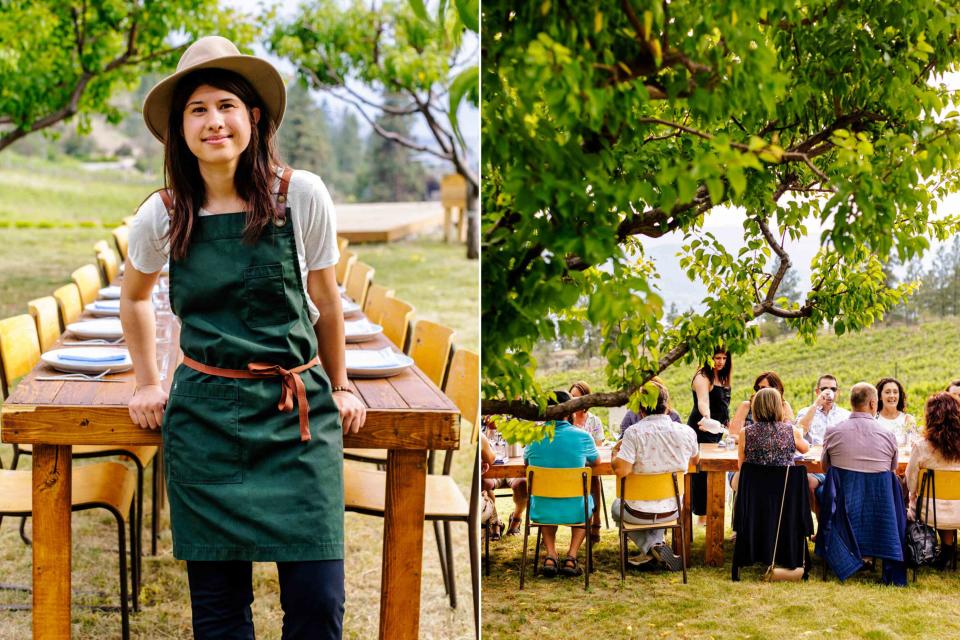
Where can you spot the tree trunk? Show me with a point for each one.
(473, 224)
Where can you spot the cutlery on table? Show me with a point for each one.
(81, 377)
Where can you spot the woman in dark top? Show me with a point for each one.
(711, 400)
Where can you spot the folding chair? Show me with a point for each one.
(650, 486)
(543, 482)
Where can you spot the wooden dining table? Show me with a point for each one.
(716, 462)
(406, 414)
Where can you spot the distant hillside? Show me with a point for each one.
(924, 358)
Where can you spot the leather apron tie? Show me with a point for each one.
(292, 384)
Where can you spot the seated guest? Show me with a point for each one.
(517, 485)
(954, 389)
(939, 449)
(744, 416)
(769, 440)
(656, 444)
(893, 401)
(631, 417)
(488, 503)
(860, 443)
(815, 419)
(586, 419)
(569, 448)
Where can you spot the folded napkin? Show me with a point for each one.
(107, 304)
(385, 358)
(358, 327)
(71, 357)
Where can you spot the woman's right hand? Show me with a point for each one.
(147, 405)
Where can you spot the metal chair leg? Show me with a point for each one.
(438, 536)
(523, 557)
(473, 540)
(23, 533)
(451, 578)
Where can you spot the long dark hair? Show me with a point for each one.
(943, 425)
(722, 378)
(772, 379)
(901, 399)
(255, 169)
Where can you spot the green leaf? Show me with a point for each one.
(469, 11)
(420, 10)
(464, 85)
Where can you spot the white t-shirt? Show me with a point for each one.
(311, 214)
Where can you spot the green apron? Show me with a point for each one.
(242, 485)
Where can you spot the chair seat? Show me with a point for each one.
(104, 483)
(365, 491)
(660, 524)
(376, 456)
(144, 454)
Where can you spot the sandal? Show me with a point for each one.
(571, 567)
(549, 570)
(496, 530)
(514, 528)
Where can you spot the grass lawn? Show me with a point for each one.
(436, 278)
(659, 605)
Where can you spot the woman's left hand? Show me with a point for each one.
(353, 413)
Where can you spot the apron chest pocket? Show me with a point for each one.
(202, 434)
(264, 296)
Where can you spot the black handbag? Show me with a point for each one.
(921, 537)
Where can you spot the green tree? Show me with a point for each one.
(348, 151)
(394, 48)
(392, 174)
(60, 58)
(608, 122)
(304, 137)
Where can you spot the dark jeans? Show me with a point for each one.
(311, 596)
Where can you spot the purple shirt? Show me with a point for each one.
(860, 443)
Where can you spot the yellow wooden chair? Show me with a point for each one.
(396, 319)
(87, 279)
(430, 349)
(342, 244)
(651, 486)
(358, 282)
(69, 302)
(46, 316)
(121, 236)
(933, 485)
(19, 353)
(377, 296)
(109, 265)
(365, 488)
(543, 482)
(105, 485)
(342, 270)
(128, 220)
(101, 245)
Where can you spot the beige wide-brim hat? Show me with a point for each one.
(214, 52)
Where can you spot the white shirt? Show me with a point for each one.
(903, 426)
(657, 444)
(821, 420)
(311, 214)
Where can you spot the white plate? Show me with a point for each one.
(361, 330)
(104, 328)
(55, 358)
(110, 293)
(104, 308)
(350, 308)
(376, 364)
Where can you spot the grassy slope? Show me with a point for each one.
(436, 278)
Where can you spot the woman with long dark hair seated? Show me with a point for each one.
(744, 416)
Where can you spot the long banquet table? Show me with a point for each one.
(716, 462)
(406, 414)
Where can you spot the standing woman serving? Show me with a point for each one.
(711, 401)
(251, 246)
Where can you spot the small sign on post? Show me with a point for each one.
(453, 195)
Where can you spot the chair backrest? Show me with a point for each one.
(377, 296)
(109, 265)
(342, 244)
(342, 270)
(649, 486)
(358, 282)
(100, 245)
(46, 316)
(71, 306)
(19, 348)
(946, 484)
(121, 236)
(430, 349)
(396, 319)
(463, 387)
(128, 220)
(544, 482)
(87, 279)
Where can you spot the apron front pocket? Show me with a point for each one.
(202, 434)
(265, 296)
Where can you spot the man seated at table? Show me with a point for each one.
(655, 444)
(954, 389)
(815, 419)
(570, 447)
(860, 443)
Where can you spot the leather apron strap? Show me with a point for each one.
(292, 384)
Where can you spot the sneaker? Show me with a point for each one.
(666, 557)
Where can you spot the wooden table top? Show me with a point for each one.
(406, 411)
(712, 458)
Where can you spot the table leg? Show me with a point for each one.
(402, 545)
(51, 541)
(716, 497)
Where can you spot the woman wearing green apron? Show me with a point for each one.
(252, 428)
